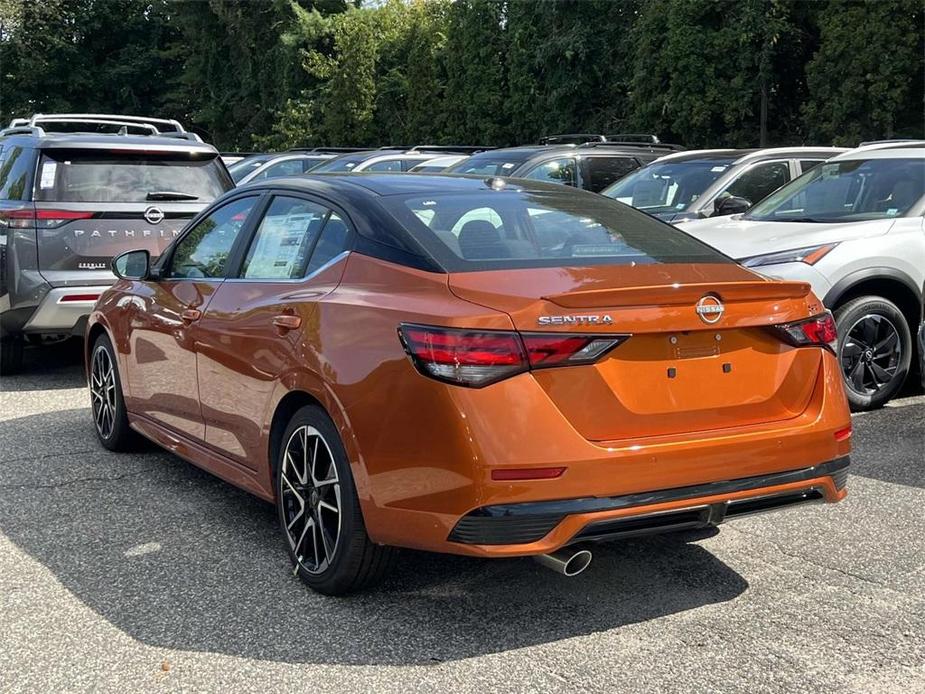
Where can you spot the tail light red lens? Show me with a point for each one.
(41, 219)
(818, 331)
(476, 358)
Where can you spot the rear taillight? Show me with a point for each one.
(476, 358)
(818, 331)
(40, 219)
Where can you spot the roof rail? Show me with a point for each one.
(450, 149)
(661, 147)
(98, 118)
(329, 150)
(571, 139)
(640, 138)
(897, 141)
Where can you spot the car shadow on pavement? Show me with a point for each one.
(48, 367)
(177, 559)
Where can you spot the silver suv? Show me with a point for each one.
(73, 196)
(714, 182)
(854, 229)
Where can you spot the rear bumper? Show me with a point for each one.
(62, 309)
(568, 521)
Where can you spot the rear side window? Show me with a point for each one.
(285, 239)
(602, 171)
(556, 171)
(522, 229)
(760, 181)
(290, 167)
(808, 164)
(15, 173)
(101, 176)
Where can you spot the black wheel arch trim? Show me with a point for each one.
(848, 282)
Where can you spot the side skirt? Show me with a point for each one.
(200, 456)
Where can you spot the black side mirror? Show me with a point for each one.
(731, 205)
(132, 265)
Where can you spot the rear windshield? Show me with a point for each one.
(522, 229)
(240, 169)
(88, 176)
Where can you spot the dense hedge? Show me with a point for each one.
(281, 73)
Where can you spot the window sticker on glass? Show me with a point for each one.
(49, 169)
(718, 169)
(892, 212)
(507, 166)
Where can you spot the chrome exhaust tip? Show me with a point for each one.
(568, 562)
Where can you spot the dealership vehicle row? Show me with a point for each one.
(485, 364)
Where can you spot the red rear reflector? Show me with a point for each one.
(530, 473)
(78, 297)
(843, 434)
(479, 357)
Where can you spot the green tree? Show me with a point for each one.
(865, 81)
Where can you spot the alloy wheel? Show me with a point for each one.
(310, 493)
(871, 353)
(103, 392)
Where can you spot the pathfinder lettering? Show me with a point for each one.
(128, 233)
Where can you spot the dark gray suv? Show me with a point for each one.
(72, 196)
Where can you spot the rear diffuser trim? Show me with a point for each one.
(531, 521)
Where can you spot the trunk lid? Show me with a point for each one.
(677, 373)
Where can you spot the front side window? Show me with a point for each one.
(603, 171)
(101, 176)
(759, 181)
(668, 187)
(284, 240)
(561, 171)
(515, 229)
(203, 252)
(847, 191)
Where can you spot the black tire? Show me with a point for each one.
(355, 562)
(112, 429)
(874, 341)
(11, 355)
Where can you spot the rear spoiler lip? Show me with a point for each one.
(115, 145)
(684, 294)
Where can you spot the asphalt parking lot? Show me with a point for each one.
(142, 573)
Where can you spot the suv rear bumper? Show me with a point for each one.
(62, 309)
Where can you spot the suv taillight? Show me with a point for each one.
(818, 331)
(477, 358)
(40, 219)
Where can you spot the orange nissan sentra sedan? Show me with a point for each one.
(478, 366)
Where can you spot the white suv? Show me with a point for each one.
(854, 228)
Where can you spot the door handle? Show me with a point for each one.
(191, 314)
(287, 321)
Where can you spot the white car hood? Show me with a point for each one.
(742, 238)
